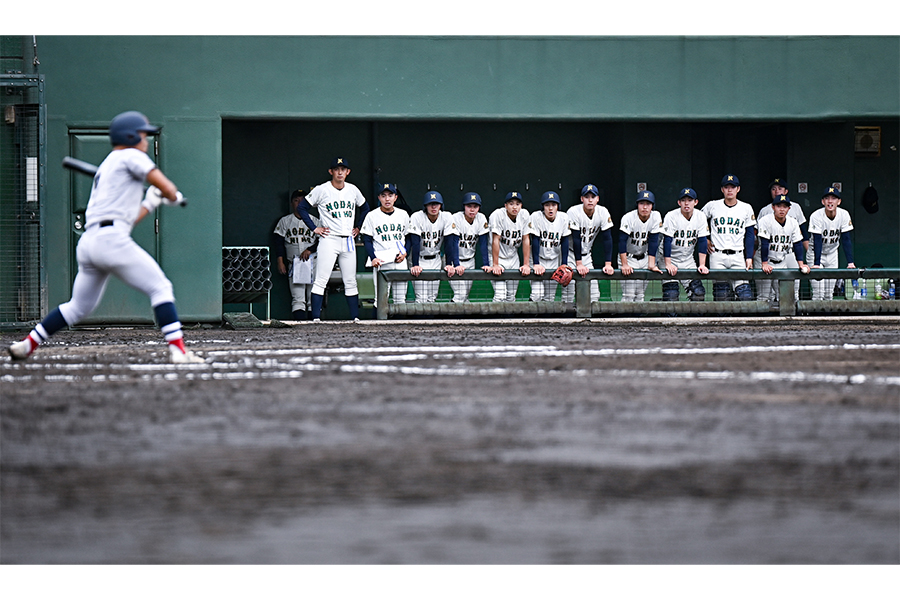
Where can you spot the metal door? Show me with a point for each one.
(121, 304)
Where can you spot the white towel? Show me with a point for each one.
(302, 271)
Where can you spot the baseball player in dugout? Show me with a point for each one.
(342, 209)
(384, 233)
(549, 231)
(780, 240)
(588, 220)
(778, 187)
(684, 229)
(468, 229)
(508, 228)
(106, 248)
(830, 227)
(427, 229)
(638, 243)
(732, 236)
(295, 249)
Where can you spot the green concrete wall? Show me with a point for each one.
(623, 109)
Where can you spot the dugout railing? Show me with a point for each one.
(584, 308)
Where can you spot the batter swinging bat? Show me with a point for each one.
(89, 169)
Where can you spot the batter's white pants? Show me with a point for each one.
(728, 262)
(300, 291)
(824, 289)
(505, 291)
(633, 289)
(461, 288)
(427, 291)
(343, 251)
(568, 292)
(546, 290)
(106, 251)
(398, 288)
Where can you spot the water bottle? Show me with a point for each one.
(856, 292)
(891, 291)
(864, 289)
(877, 289)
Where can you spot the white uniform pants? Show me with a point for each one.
(788, 262)
(685, 264)
(568, 292)
(505, 291)
(427, 291)
(546, 290)
(343, 251)
(300, 291)
(460, 287)
(106, 251)
(398, 288)
(720, 260)
(822, 290)
(633, 290)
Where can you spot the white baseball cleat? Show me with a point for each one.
(186, 357)
(356, 320)
(316, 320)
(23, 349)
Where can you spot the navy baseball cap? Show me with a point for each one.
(471, 198)
(831, 191)
(687, 193)
(646, 197)
(432, 197)
(513, 196)
(781, 199)
(731, 180)
(339, 161)
(549, 197)
(387, 187)
(780, 182)
(589, 189)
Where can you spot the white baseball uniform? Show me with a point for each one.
(782, 237)
(830, 230)
(727, 227)
(510, 234)
(297, 238)
(469, 235)
(638, 250)
(337, 212)
(550, 235)
(106, 247)
(764, 286)
(588, 228)
(388, 231)
(432, 240)
(684, 234)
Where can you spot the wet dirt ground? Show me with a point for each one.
(760, 441)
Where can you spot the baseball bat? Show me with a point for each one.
(80, 166)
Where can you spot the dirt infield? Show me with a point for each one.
(611, 441)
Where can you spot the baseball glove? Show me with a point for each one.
(563, 275)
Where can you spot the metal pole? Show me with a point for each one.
(583, 298)
(382, 292)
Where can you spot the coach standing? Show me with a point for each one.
(337, 201)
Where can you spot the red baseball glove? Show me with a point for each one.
(563, 275)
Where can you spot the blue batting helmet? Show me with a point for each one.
(125, 128)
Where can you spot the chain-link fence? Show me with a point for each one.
(22, 160)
